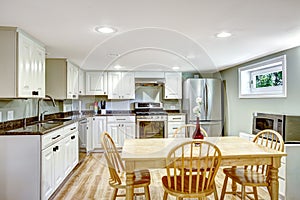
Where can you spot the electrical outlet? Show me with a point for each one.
(10, 115)
(0, 116)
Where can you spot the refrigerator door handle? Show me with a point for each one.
(206, 101)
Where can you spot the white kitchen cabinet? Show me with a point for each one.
(99, 126)
(96, 83)
(71, 149)
(52, 168)
(61, 78)
(121, 128)
(22, 61)
(81, 82)
(47, 172)
(59, 158)
(36, 163)
(173, 85)
(121, 85)
(174, 122)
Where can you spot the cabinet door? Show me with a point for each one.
(172, 126)
(173, 85)
(128, 86)
(121, 85)
(114, 85)
(39, 71)
(129, 132)
(59, 156)
(25, 70)
(74, 149)
(96, 83)
(31, 68)
(114, 132)
(81, 82)
(71, 152)
(47, 182)
(67, 156)
(72, 81)
(99, 125)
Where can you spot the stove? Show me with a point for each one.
(151, 120)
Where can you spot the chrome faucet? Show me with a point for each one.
(39, 109)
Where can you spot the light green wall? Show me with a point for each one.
(238, 112)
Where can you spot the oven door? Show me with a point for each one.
(151, 128)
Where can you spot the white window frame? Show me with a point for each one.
(247, 79)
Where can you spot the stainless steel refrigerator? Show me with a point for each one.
(211, 92)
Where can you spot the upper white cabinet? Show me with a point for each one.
(22, 63)
(81, 82)
(173, 85)
(121, 85)
(61, 78)
(96, 83)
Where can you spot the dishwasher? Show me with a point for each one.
(84, 138)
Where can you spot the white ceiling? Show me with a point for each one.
(158, 34)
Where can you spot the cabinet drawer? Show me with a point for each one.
(52, 137)
(176, 118)
(71, 128)
(121, 119)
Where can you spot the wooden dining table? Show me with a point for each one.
(236, 151)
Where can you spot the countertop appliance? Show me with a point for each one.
(151, 120)
(287, 125)
(211, 92)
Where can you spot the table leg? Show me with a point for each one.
(233, 185)
(274, 183)
(129, 185)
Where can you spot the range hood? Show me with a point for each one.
(149, 78)
(149, 81)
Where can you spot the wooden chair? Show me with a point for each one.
(200, 155)
(188, 128)
(254, 176)
(116, 170)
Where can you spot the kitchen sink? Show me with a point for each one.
(58, 120)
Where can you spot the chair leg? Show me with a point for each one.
(147, 193)
(215, 192)
(255, 193)
(165, 195)
(115, 192)
(224, 188)
(243, 192)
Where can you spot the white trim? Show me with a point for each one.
(246, 73)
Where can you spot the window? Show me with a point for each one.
(263, 79)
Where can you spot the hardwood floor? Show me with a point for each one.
(89, 180)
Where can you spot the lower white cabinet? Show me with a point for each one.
(121, 128)
(98, 126)
(59, 158)
(174, 122)
(33, 166)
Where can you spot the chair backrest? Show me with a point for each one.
(271, 139)
(113, 158)
(188, 129)
(200, 160)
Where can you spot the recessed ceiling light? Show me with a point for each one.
(175, 68)
(105, 29)
(223, 34)
(118, 67)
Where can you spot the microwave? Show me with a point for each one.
(288, 126)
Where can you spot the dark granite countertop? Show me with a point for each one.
(34, 128)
